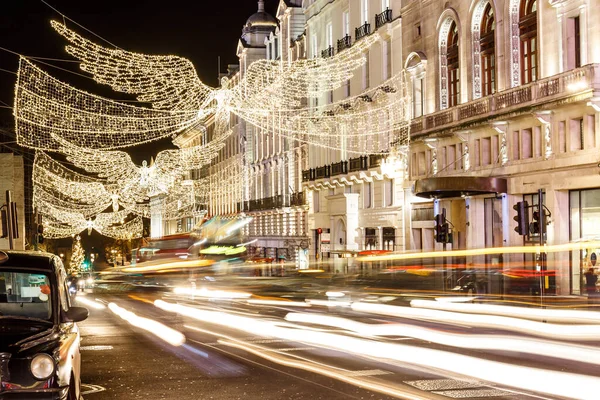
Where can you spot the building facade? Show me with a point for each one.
(357, 201)
(505, 104)
(12, 178)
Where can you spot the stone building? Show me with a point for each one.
(505, 103)
(12, 178)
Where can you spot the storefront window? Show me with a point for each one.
(585, 226)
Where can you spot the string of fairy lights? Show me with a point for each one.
(287, 99)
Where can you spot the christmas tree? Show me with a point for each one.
(77, 257)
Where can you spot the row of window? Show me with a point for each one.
(484, 65)
(368, 194)
(529, 143)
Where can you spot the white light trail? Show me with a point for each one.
(552, 331)
(568, 316)
(537, 380)
(169, 335)
(503, 343)
(91, 303)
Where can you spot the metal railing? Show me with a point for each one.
(361, 163)
(328, 52)
(344, 43)
(383, 18)
(362, 31)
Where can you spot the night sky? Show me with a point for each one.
(199, 30)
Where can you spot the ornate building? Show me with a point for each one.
(505, 103)
(357, 202)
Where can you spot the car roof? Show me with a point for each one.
(27, 259)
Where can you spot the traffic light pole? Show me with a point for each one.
(9, 218)
(542, 225)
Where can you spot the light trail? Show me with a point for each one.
(91, 303)
(552, 331)
(568, 316)
(532, 379)
(577, 353)
(169, 335)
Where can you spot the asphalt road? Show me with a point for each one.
(221, 361)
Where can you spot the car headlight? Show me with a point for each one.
(42, 366)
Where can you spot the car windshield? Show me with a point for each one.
(25, 295)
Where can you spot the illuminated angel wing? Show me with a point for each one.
(168, 82)
(114, 165)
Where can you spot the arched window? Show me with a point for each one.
(488, 51)
(528, 34)
(453, 65)
(415, 66)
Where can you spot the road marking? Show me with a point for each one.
(470, 393)
(86, 389)
(443, 384)
(295, 349)
(368, 372)
(458, 389)
(95, 348)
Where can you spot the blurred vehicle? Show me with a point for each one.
(39, 346)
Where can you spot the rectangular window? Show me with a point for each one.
(421, 170)
(562, 136)
(451, 156)
(364, 11)
(417, 97)
(477, 153)
(526, 144)
(329, 35)
(314, 45)
(385, 4)
(537, 141)
(346, 23)
(486, 151)
(365, 71)
(368, 194)
(460, 156)
(573, 43)
(590, 131)
(576, 134)
(389, 192)
(387, 59)
(442, 161)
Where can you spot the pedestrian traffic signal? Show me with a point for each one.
(522, 217)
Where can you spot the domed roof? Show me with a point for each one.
(261, 18)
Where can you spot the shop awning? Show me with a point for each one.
(455, 186)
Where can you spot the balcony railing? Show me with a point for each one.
(361, 163)
(297, 199)
(383, 18)
(328, 52)
(344, 43)
(362, 31)
(525, 96)
(358, 164)
(339, 168)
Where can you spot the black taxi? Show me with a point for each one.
(39, 337)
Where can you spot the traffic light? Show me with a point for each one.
(535, 226)
(441, 227)
(522, 217)
(40, 233)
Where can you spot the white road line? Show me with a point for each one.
(444, 384)
(90, 389)
(471, 393)
(95, 348)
